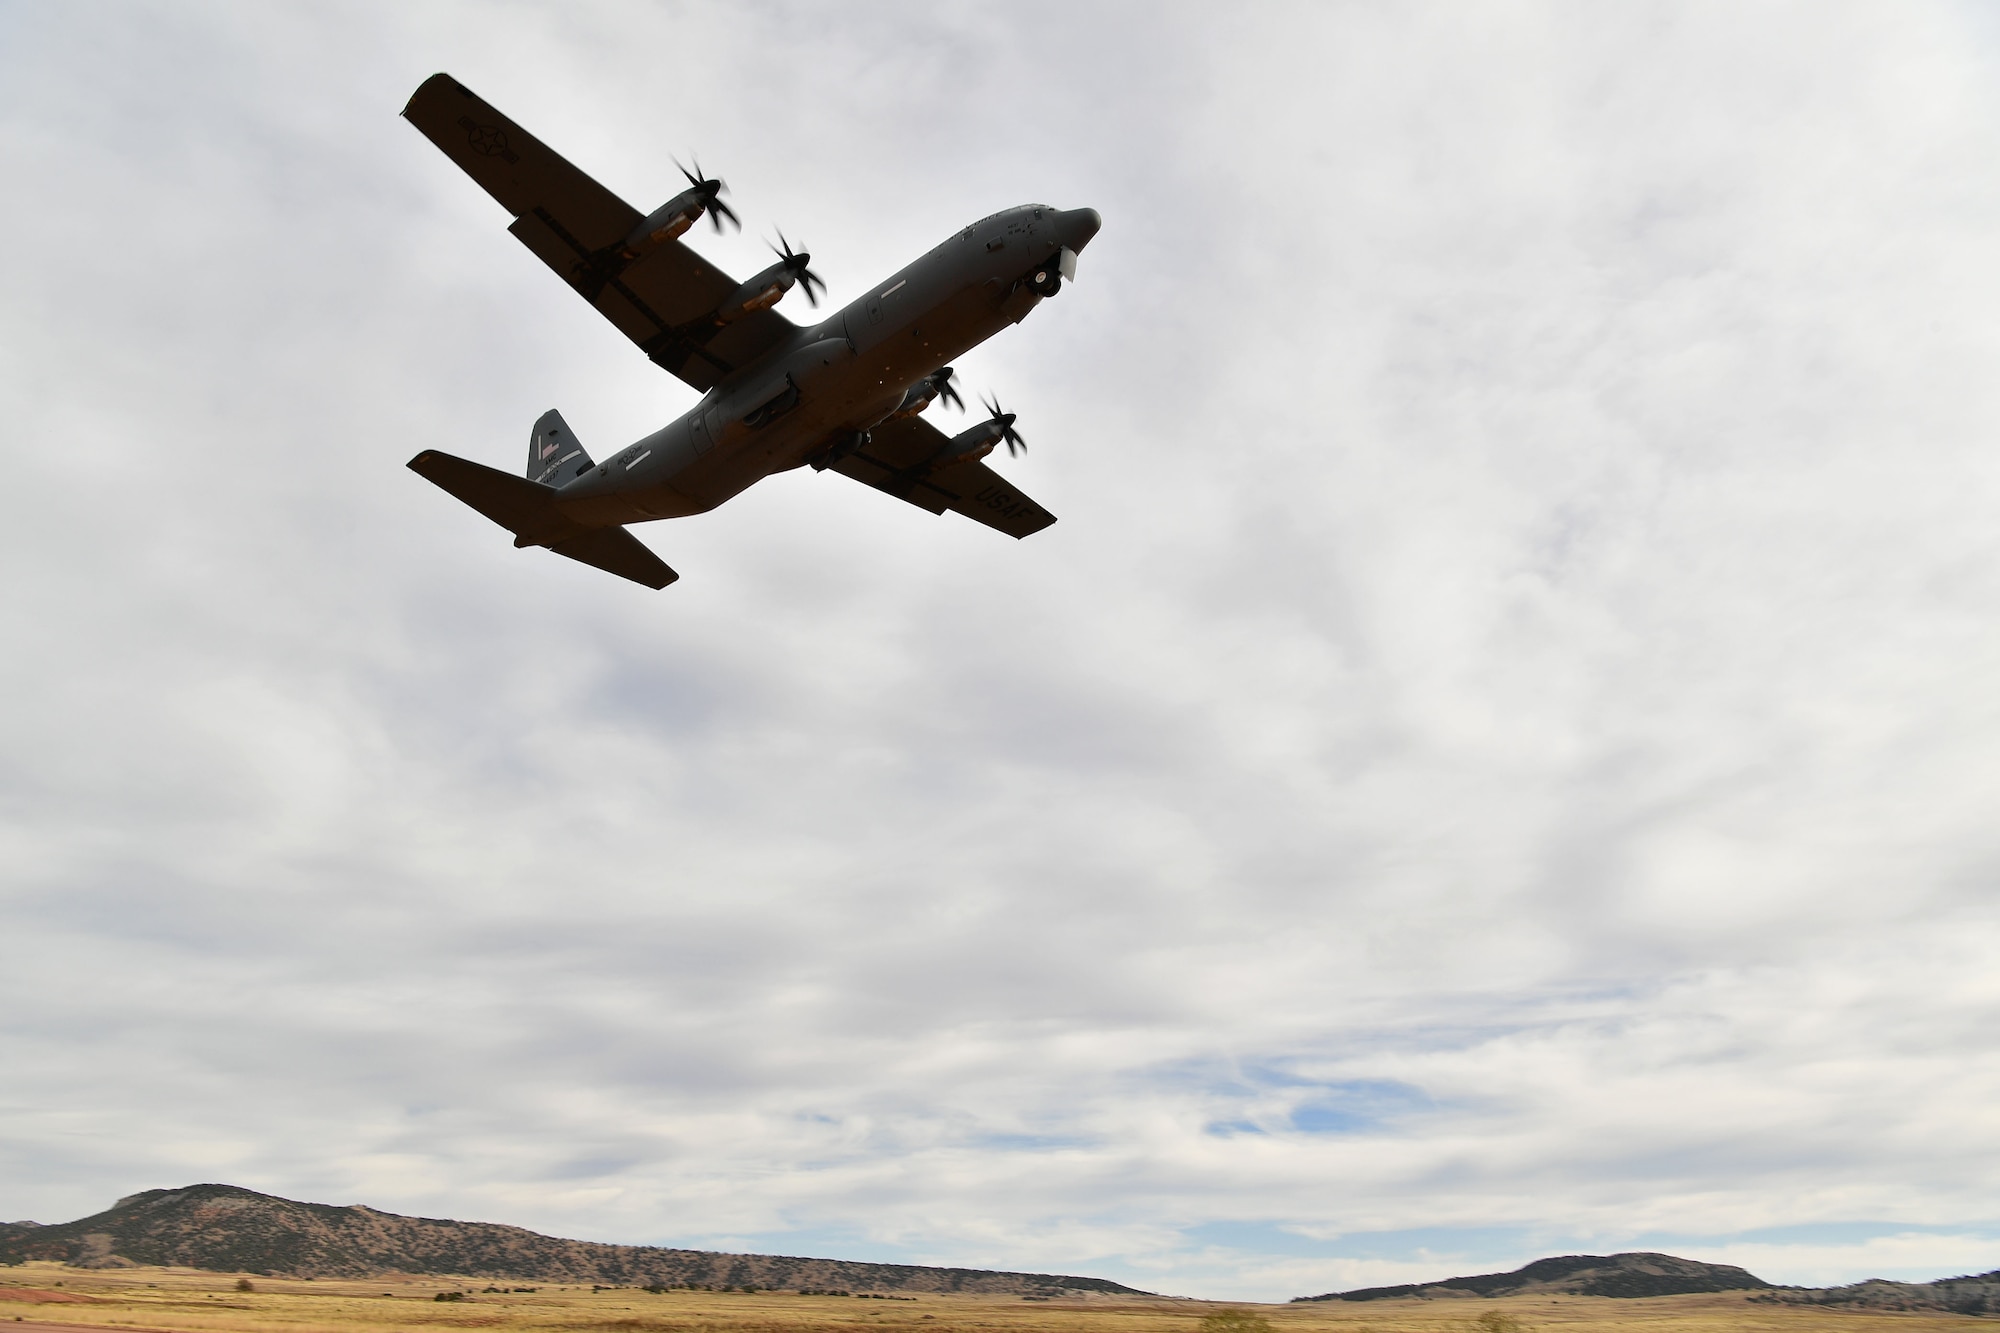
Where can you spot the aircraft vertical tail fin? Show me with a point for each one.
(555, 455)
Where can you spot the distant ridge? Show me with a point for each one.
(1624, 1275)
(1977, 1294)
(228, 1229)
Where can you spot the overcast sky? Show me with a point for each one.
(1499, 757)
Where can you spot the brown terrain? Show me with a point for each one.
(1640, 1275)
(1626, 1276)
(224, 1228)
(182, 1300)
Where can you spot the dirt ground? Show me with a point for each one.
(51, 1298)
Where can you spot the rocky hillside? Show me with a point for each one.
(225, 1228)
(1978, 1294)
(1628, 1275)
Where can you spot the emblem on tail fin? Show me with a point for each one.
(554, 455)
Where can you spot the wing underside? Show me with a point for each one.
(664, 301)
(897, 459)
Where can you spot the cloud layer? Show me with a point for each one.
(1497, 757)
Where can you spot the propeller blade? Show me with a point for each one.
(711, 191)
(1015, 444)
(945, 391)
(799, 262)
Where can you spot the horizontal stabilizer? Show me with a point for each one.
(527, 509)
(617, 551)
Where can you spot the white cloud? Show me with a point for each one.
(1916, 1256)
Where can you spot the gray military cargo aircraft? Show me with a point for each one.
(843, 395)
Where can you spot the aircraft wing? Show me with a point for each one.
(895, 458)
(663, 301)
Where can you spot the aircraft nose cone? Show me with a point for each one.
(1077, 225)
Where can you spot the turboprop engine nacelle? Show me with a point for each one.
(970, 446)
(769, 287)
(926, 391)
(672, 219)
(760, 293)
(668, 222)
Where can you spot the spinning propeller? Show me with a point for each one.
(941, 382)
(711, 193)
(807, 279)
(1015, 444)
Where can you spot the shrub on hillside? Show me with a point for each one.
(1234, 1321)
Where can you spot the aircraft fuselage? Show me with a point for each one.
(839, 377)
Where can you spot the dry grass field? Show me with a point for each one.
(58, 1299)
